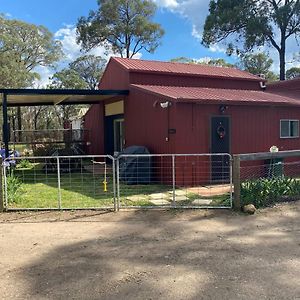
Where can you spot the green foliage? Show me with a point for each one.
(246, 24)
(266, 191)
(14, 189)
(218, 62)
(258, 63)
(125, 26)
(67, 79)
(90, 69)
(23, 47)
(293, 73)
(83, 73)
(24, 164)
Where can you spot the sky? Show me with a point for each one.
(182, 21)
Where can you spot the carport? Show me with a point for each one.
(49, 97)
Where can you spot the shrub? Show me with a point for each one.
(14, 189)
(24, 164)
(266, 191)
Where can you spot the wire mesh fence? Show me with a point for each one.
(265, 182)
(177, 181)
(64, 182)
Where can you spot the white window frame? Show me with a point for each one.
(289, 120)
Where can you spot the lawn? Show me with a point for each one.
(36, 188)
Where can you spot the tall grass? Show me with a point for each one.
(267, 191)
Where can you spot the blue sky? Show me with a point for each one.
(182, 20)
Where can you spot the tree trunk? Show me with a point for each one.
(282, 61)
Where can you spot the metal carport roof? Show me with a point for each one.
(40, 97)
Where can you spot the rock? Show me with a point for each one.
(249, 209)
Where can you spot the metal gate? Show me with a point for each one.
(60, 182)
(128, 181)
(174, 181)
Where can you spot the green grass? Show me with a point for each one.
(40, 190)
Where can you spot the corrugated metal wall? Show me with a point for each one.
(192, 81)
(93, 121)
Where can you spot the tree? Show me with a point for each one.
(23, 47)
(258, 63)
(124, 25)
(293, 73)
(218, 62)
(256, 22)
(90, 69)
(83, 73)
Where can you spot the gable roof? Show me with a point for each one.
(148, 66)
(289, 88)
(216, 95)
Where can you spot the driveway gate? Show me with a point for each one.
(174, 181)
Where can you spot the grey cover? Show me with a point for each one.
(135, 170)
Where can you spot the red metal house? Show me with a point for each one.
(186, 108)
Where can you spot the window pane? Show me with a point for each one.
(294, 128)
(284, 128)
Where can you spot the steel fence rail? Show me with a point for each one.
(59, 182)
(125, 181)
(174, 181)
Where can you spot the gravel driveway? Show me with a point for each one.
(192, 254)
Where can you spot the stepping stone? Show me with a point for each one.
(180, 198)
(136, 198)
(160, 202)
(178, 193)
(202, 202)
(158, 196)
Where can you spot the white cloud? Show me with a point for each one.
(67, 36)
(196, 11)
(171, 4)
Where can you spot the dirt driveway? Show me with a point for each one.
(151, 255)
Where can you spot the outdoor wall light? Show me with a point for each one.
(223, 108)
(165, 104)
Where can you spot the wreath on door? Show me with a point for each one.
(221, 131)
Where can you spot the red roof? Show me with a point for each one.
(214, 95)
(147, 66)
(288, 88)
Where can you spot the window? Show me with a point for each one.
(289, 128)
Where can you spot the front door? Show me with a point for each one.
(220, 143)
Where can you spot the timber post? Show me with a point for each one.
(236, 182)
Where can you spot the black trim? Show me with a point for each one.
(62, 92)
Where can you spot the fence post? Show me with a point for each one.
(173, 180)
(237, 182)
(114, 183)
(1, 192)
(118, 183)
(58, 183)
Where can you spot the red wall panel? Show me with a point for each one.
(94, 122)
(175, 80)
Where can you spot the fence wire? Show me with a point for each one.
(175, 181)
(128, 181)
(265, 182)
(65, 182)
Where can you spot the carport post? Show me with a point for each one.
(237, 182)
(5, 125)
(1, 192)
